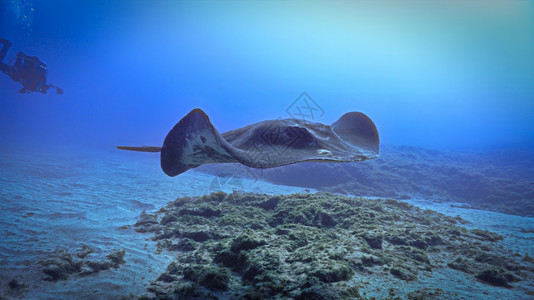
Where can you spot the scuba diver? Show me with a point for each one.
(28, 70)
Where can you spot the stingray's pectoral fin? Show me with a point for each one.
(358, 131)
(140, 149)
(193, 142)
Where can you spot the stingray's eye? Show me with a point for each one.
(324, 152)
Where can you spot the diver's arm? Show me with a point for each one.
(5, 46)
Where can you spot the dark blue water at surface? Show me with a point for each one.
(456, 76)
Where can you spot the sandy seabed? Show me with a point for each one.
(60, 203)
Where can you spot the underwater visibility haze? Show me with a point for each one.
(353, 149)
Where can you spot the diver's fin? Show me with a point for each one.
(140, 149)
(59, 90)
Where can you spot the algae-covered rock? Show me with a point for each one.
(245, 242)
(490, 258)
(98, 266)
(334, 272)
(304, 214)
(206, 212)
(372, 260)
(399, 204)
(460, 264)
(487, 235)
(213, 278)
(17, 283)
(84, 251)
(428, 293)
(312, 246)
(421, 239)
(146, 222)
(184, 244)
(270, 203)
(497, 277)
(62, 264)
(165, 277)
(323, 291)
(116, 257)
(167, 219)
(199, 236)
(414, 253)
(373, 239)
(403, 272)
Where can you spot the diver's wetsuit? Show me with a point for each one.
(28, 70)
(5, 45)
(5, 68)
(31, 73)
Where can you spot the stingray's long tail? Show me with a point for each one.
(140, 149)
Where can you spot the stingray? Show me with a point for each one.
(194, 141)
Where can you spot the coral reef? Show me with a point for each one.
(314, 246)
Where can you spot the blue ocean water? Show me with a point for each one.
(438, 76)
(454, 77)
